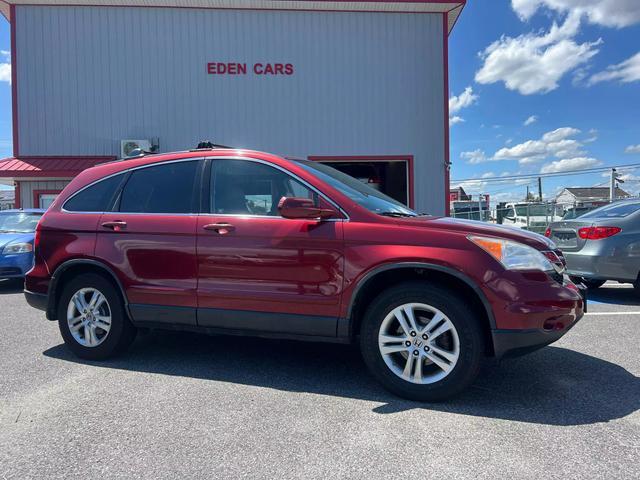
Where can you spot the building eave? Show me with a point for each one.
(453, 8)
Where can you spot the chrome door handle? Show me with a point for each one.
(116, 225)
(221, 228)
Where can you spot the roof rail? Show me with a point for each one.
(207, 145)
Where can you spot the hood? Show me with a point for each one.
(475, 227)
(6, 238)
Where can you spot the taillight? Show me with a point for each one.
(547, 232)
(597, 233)
(36, 238)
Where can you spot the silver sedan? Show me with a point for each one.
(602, 245)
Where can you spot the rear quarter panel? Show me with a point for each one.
(63, 236)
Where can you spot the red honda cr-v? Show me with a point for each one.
(247, 243)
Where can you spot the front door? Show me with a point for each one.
(259, 271)
(151, 240)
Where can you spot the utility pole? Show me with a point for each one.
(540, 189)
(612, 185)
(527, 197)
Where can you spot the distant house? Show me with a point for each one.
(587, 196)
(7, 199)
(458, 194)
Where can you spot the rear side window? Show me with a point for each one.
(96, 198)
(614, 210)
(167, 188)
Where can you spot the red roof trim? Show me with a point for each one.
(29, 167)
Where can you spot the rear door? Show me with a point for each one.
(150, 240)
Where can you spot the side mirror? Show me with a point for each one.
(302, 208)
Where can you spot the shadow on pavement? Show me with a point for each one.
(615, 295)
(11, 286)
(553, 386)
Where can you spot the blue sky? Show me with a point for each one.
(572, 67)
(559, 77)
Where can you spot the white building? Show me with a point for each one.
(587, 196)
(361, 84)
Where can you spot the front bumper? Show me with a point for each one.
(15, 265)
(539, 321)
(514, 343)
(37, 300)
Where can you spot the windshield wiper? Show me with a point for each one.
(396, 214)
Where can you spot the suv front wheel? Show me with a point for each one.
(92, 319)
(421, 342)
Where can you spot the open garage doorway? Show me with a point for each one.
(391, 175)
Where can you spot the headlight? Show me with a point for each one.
(22, 247)
(513, 255)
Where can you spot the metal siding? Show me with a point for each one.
(27, 188)
(364, 83)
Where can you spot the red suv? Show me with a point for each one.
(246, 243)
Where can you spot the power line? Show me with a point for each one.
(546, 175)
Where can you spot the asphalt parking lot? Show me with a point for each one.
(189, 406)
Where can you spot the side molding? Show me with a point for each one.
(424, 266)
(53, 285)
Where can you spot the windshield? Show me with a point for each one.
(18, 222)
(534, 210)
(357, 191)
(614, 210)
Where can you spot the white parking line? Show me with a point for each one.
(612, 313)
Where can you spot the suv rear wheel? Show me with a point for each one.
(422, 342)
(92, 319)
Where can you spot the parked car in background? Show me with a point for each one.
(575, 212)
(179, 241)
(601, 245)
(17, 229)
(534, 217)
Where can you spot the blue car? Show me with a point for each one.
(17, 229)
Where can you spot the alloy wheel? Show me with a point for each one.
(89, 317)
(419, 343)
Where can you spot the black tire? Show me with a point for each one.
(121, 333)
(465, 321)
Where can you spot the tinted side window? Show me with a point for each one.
(167, 188)
(242, 187)
(96, 198)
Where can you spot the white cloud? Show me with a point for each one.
(457, 103)
(632, 149)
(454, 120)
(560, 134)
(465, 99)
(556, 143)
(488, 182)
(566, 164)
(533, 63)
(5, 66)
(593, 136)
(474, 157)
(625, 72)
(531, 120)
(609, 13)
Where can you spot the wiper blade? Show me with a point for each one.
(396, 214)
